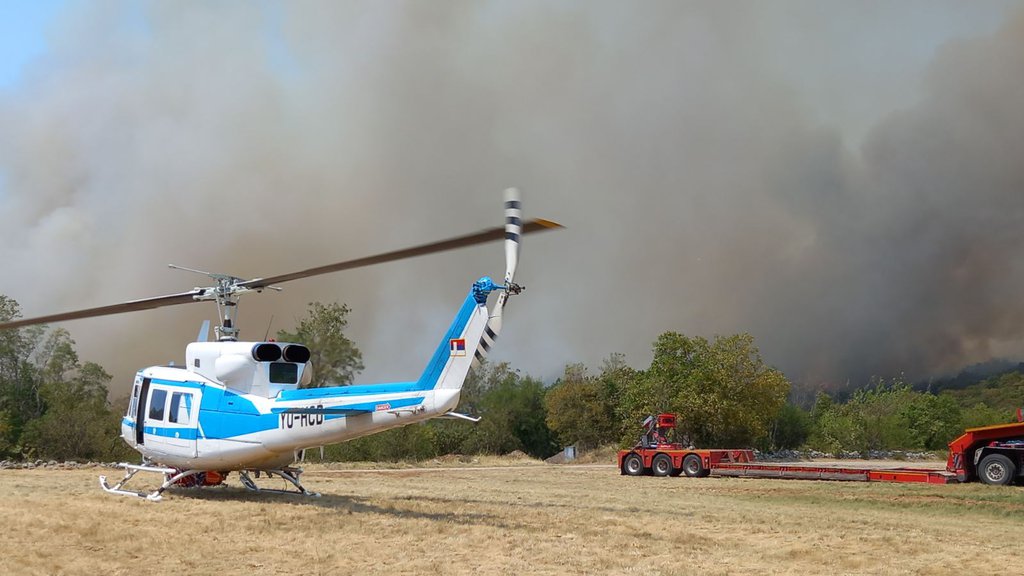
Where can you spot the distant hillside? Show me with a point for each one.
(1001, 395)
(972, 375)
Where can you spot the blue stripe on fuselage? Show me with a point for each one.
(178, 433)
(361, 407)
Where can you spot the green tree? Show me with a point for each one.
(20, 398)
(512, 411)
(78, 422)
(511, 408)
(829, 428)
(981, 414)
(888, 415)
(51, 405)
(790, 428)
(933, 421)
(721, 390)
(581, 408)
(336, 359)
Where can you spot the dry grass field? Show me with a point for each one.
(529, 518)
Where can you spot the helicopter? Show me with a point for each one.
(239, 406)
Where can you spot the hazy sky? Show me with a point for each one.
(840, 179)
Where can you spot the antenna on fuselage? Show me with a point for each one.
(269, 324)
(204, 332)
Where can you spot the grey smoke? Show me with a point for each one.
(703, 189)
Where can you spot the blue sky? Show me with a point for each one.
(23, 25)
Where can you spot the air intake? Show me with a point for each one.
(267, 352)
(296, 353)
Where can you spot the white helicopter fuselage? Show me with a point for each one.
(238, 405)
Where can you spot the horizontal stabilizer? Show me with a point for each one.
(458, 416)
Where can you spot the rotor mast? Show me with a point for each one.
(226, 294)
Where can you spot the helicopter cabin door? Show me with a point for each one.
(172, 419)
(140, 411)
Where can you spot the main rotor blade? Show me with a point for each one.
(130, 306)
(491, 234)
(536, 225)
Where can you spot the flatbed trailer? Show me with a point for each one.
(813, 471)
(992, 454)
(743, 464)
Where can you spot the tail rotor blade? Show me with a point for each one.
(513, 238)
(513, 232)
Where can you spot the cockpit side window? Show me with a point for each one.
(134, 404)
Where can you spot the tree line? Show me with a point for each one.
(53, 406)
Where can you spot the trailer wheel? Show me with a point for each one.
(662, 465)
(996, 470)
(693, 467)
(633, 465)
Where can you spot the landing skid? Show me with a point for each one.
(289, 474)
(173, 476)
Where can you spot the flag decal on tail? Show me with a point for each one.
(458, 346)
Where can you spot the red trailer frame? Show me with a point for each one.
(672, 460)
(656, 454)
(813, 471)
(992, 454)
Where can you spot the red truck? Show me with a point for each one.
(992, 454)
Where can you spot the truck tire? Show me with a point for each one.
(996, 470)
(662, 465)
(633, 465)
(693, 467)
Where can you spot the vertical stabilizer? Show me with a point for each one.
(452, 360)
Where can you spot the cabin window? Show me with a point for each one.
(156, 404)
(284, 373)
(172, 414)
(181, 408)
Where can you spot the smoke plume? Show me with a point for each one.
(703, 189)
